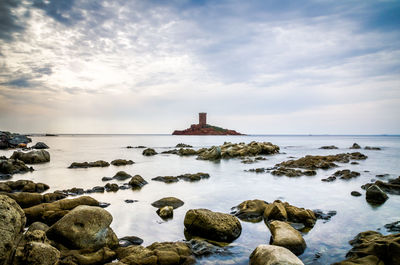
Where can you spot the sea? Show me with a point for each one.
(229, 185)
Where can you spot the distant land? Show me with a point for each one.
(205, 129)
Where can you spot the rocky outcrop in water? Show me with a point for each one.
(121, 175)
(342, 174)
(186, 177)
(198, 129)
(182, 145)
(9, 167)
(250, 210)
(121, 162)
(168, 201)
(290, 172)
(375, 195)
(137, 182)
(273, 255)
(98, 163)
(13, 140)
(355, 146)
(212, 225)
(392, 186)
(40, 145)
(32, 157)
(149, 152)
(371, 247)
(23, 185)
(328, 147)
(285, 235)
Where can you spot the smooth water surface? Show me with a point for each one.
(227, 186)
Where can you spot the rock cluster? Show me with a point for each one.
(121, 162)
(182, 145)
(32, 157)
(185, 177)
(290, 172)
(10, 166)
(342, 174)
(328, 147)
(23, 185)
(98, 163)
(391, 187)
(13, 140)
(29, 199)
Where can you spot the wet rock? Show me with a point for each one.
(346, 174)
(375, 195)
(372, 148)
(250, 210)
(393, 227)
(98, 189)
(285, 235)
(40, 145)
(321, 162)
(329, 179)
(257, 170)
(166, 212)
(38, 253)
(129, 241)
(201, 248)
(111, 187)
(157, 253)
(328, 147)
(168, 201)
(121, 162)
(104, 204)
(49, 213)
(130, 201)
(73, 191)
(391, 187)
(121, 175)
(371, 247)
(38, 226)
(289, 172)
(166, 179)
(137, 182)
(182, 145)
(275, 211)
(324, 216)
(98, 163)
(23, 185)
(149, 152)
(12, 140)
(355, 146)
(194, 177)
(87, 257)
(106, 179)
(354, 163)
(12, 223)
(382, 175)
(84, 227)
(28, 199)
(213, 153)
(273, 255)
(355, 193)
(212, 225)
(32, 157)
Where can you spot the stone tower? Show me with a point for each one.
(202, 119)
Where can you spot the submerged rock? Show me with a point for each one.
(149, 152)
(285, 235)
(32, 157)
(121, 162)
(371, 247)
(355, 193)
(40, 145)
(201, 248)
(342, 174)
(372, 148)
(273, 255)
(166, 179)
(375, 195)
(324, 216)
(168, 201)
(194, 177)
(183, 145)
(98, 163)
(212, 225)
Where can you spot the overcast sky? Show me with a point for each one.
(258, 67)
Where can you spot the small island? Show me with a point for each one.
(205, 129)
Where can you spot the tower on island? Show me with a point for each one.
(203, 119)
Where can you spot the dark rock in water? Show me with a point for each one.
(194, 177)
(104, 204)
(346, 174)
(391, 187)
(355, 146)
(324, 216)
(285, 235)
(12, 140)
(40, 145)
(173, 151)
(355, 193)
(32, 157)
(5, 176)
(375, 195)
(273, 255)
(166, 212)
(372, 148)
(98, 163)
(250, 210)
(13, 166)
(121, 162)
(289, 172)
(329, 179)
(121, 175)
(111, 187)
(130, 240)
(149, 152)
(257, 170)
(130, 201)
(98, 189)
(212, 225)
(137, 182)
(202, 248)
(106, 179)
(166, 179)
(328, 147)
(129, 147)
(371, 247)
(125, 186)
(393, 227)
(23, 185)
(73, 191)
(382, 175)
(354, 163)
(168, 201)
(182, 145)
(137, 147)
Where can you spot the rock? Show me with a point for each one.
(104, 204)
(130, 201)
(121, 175)
(106, 179)
(111, 187)
(275, 211)
(28, 199)
(12, 223)
(324, 216)
(285, 235)
(157, 253)
(98, 163)
(372, 148)
(13, 166)
(212, 225)
(37, 253)
(257, 170)
(273, 255)
(84, 227)
(12, 140)
(328, 147)
(137, 182)
(49, 213)
(329, 179)
(289, 172)
(187, 152)
(166, 179)
(321, 162)
(201, 248)
(391, 187)
(166, 212)
(168, 201)
(371, 247)
(194, 177)
(212, 154)
(40, 145)
(129, 241)
(149, 152)
(183, 145)
(32, 157)
(375, 195)
(38, 226)
(250, 210)
(355, 193)
(393, 227)
(98, 189)
(355, 146)
(87, 257)
(121, 162)
(23, 185)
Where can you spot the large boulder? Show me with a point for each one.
(375, 195)
(49, 213)
(250, 210)
(212, 225)
(85, 227)
(13, 166)
(371, 247)
(12, 223)
(29, 199)
(273, 255)
(37, 253)
(12, 140)
(40, 145)
(285, 235)
(275, 211)
(32, 157)
(23, 185)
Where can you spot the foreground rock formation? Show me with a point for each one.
(273, 255)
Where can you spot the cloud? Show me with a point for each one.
(8, 20)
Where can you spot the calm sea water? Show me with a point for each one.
(227, 186)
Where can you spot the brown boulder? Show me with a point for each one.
(250, 210)
(137, 182)
(32, 157)
(285, 235)
(28, 199)
(273, 255)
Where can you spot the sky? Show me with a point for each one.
(149, 66)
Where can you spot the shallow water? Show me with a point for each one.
(227, 186)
